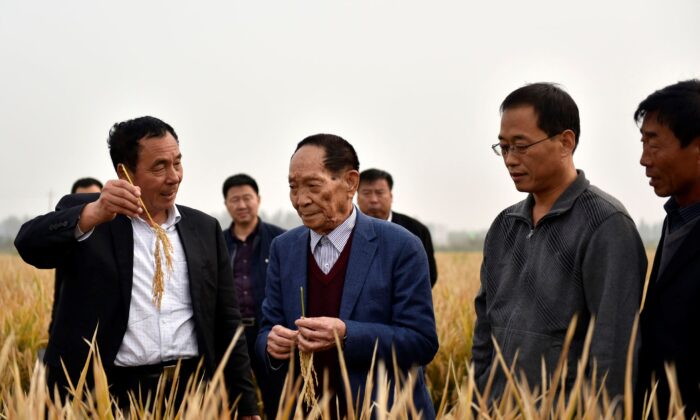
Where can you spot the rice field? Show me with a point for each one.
(26, 296)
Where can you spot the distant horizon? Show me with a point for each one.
(222, 216)
(443, 238)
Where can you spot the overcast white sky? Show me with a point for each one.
(414, 85)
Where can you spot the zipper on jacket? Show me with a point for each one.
(533, 229)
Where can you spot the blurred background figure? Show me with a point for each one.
(375, 198)
(86, 185)
(248, 241)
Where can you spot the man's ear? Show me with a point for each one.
(568, 140)
(120, 171)
(696, 145)
(352, 181)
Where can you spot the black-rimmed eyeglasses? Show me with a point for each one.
(503, 149)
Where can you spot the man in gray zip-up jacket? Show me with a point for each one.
(567, 249)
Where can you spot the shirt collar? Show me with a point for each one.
(173, 218)
(248, 238)
(338, 236)
(679, 216)
(562, 204)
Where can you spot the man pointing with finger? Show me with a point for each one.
(102, 247)
(364, 280)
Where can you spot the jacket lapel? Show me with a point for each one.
(123, 242)
(364, 246)
(298, 256)
(190, 244)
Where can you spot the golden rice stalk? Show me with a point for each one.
(345, 377)
(162, 242)
(308, 375)
(100, 393)
(629, 393)
(306, 364)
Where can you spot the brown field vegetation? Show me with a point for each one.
(26, 295)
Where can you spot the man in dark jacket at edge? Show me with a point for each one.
(248, 241)
(670, 319)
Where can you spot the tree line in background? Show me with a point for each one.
(443, 238)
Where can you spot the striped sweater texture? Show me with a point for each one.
(584, 258)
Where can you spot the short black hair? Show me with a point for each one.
(556, 110)
(340, 155)
(678, 107)
(124, 138)
(371, 175)
(238, 180)
(85, 183)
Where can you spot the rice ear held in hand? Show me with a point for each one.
(306, 364)
(162, 242)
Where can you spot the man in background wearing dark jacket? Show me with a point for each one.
(248, 240)
(374, 198)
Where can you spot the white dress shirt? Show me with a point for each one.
(154, 336)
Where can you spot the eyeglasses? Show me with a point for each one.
(520, 149)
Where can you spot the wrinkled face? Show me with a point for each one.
(158, 173)
(323, 200)
(374, 198)
(242, 204)
(672, 170)
(540, 168)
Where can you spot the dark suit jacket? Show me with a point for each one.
(386, 299)
(270, 385)
(421, 231)
(261, 256)
(670, 322)
(97, 274)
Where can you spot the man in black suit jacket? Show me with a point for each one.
(248, 240)
(375, 197)
(101, 246)
(670, 319)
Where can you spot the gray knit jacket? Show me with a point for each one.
(584, 257)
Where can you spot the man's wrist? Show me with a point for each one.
(344, 333)
(274, 363)
(86, 218)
